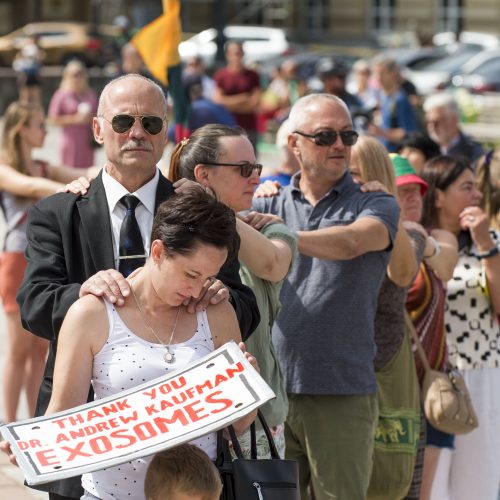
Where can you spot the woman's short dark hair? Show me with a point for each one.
(203, 146)
(195, 218)
(439, 173)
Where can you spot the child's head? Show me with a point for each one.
(182, 473)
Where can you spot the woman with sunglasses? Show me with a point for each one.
(72, 107)
(452, 202)
(23, 180)
(222, 159)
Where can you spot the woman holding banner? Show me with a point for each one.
(151, 334)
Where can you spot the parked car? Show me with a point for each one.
(415, 57)
(434, 75)
(481, 74)
(61, 42)
(471, 38)
(306, 63)
(259, 43)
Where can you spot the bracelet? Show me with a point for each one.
(490, 253)
(437, 248)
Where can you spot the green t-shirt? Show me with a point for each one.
(260, 344)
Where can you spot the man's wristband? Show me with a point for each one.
(490, 253)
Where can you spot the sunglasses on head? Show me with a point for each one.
(329, 137)
(246, 168)
(123, 123)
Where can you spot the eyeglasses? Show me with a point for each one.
(123, 123)
(246, 168)
(329, 137)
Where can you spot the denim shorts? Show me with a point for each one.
(438, 438)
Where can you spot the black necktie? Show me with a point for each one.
(130, 238)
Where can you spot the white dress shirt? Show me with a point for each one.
(144, 213)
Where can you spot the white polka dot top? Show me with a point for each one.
(472, 329)
(125, 361)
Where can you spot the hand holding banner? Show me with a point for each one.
(179, 407)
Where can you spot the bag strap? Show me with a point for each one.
(418, 344)
(253, 441)
(235, 442)
(272, 445)
(223, 447)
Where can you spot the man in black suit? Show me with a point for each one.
(73, 241)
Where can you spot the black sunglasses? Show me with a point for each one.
(329, 137)
(246, 168)
(123, 123)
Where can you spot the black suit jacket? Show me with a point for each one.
(69, 240)
(468, 148)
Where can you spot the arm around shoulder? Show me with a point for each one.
(345, 242)
(268, 257)
(26, 186)
(373, 230)
(403, 265)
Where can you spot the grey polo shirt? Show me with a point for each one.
(324, 334)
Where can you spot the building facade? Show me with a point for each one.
(306, 20)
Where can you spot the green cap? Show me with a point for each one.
(405, 173)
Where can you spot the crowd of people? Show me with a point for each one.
(363, 232)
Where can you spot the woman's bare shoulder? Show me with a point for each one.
(223, 323)
(87, 317)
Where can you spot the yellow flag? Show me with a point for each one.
(158, 41)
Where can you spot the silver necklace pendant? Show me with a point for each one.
(169, 357)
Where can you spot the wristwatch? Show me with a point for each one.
(490, 253)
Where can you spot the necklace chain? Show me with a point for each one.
(169, 356)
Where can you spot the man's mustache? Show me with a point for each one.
(137, 144)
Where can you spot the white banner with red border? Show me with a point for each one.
(208, 395)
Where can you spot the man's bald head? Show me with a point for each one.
(123, 79)
(299, 113)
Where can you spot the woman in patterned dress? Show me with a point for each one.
(452, 202)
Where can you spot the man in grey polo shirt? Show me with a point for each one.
(324, 332)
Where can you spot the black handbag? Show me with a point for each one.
(265, 479)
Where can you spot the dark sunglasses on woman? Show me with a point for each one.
(246, 168)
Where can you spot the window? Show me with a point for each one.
(383, 15)
(317, 12)
(450, 15)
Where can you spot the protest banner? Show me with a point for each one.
(179, 407)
